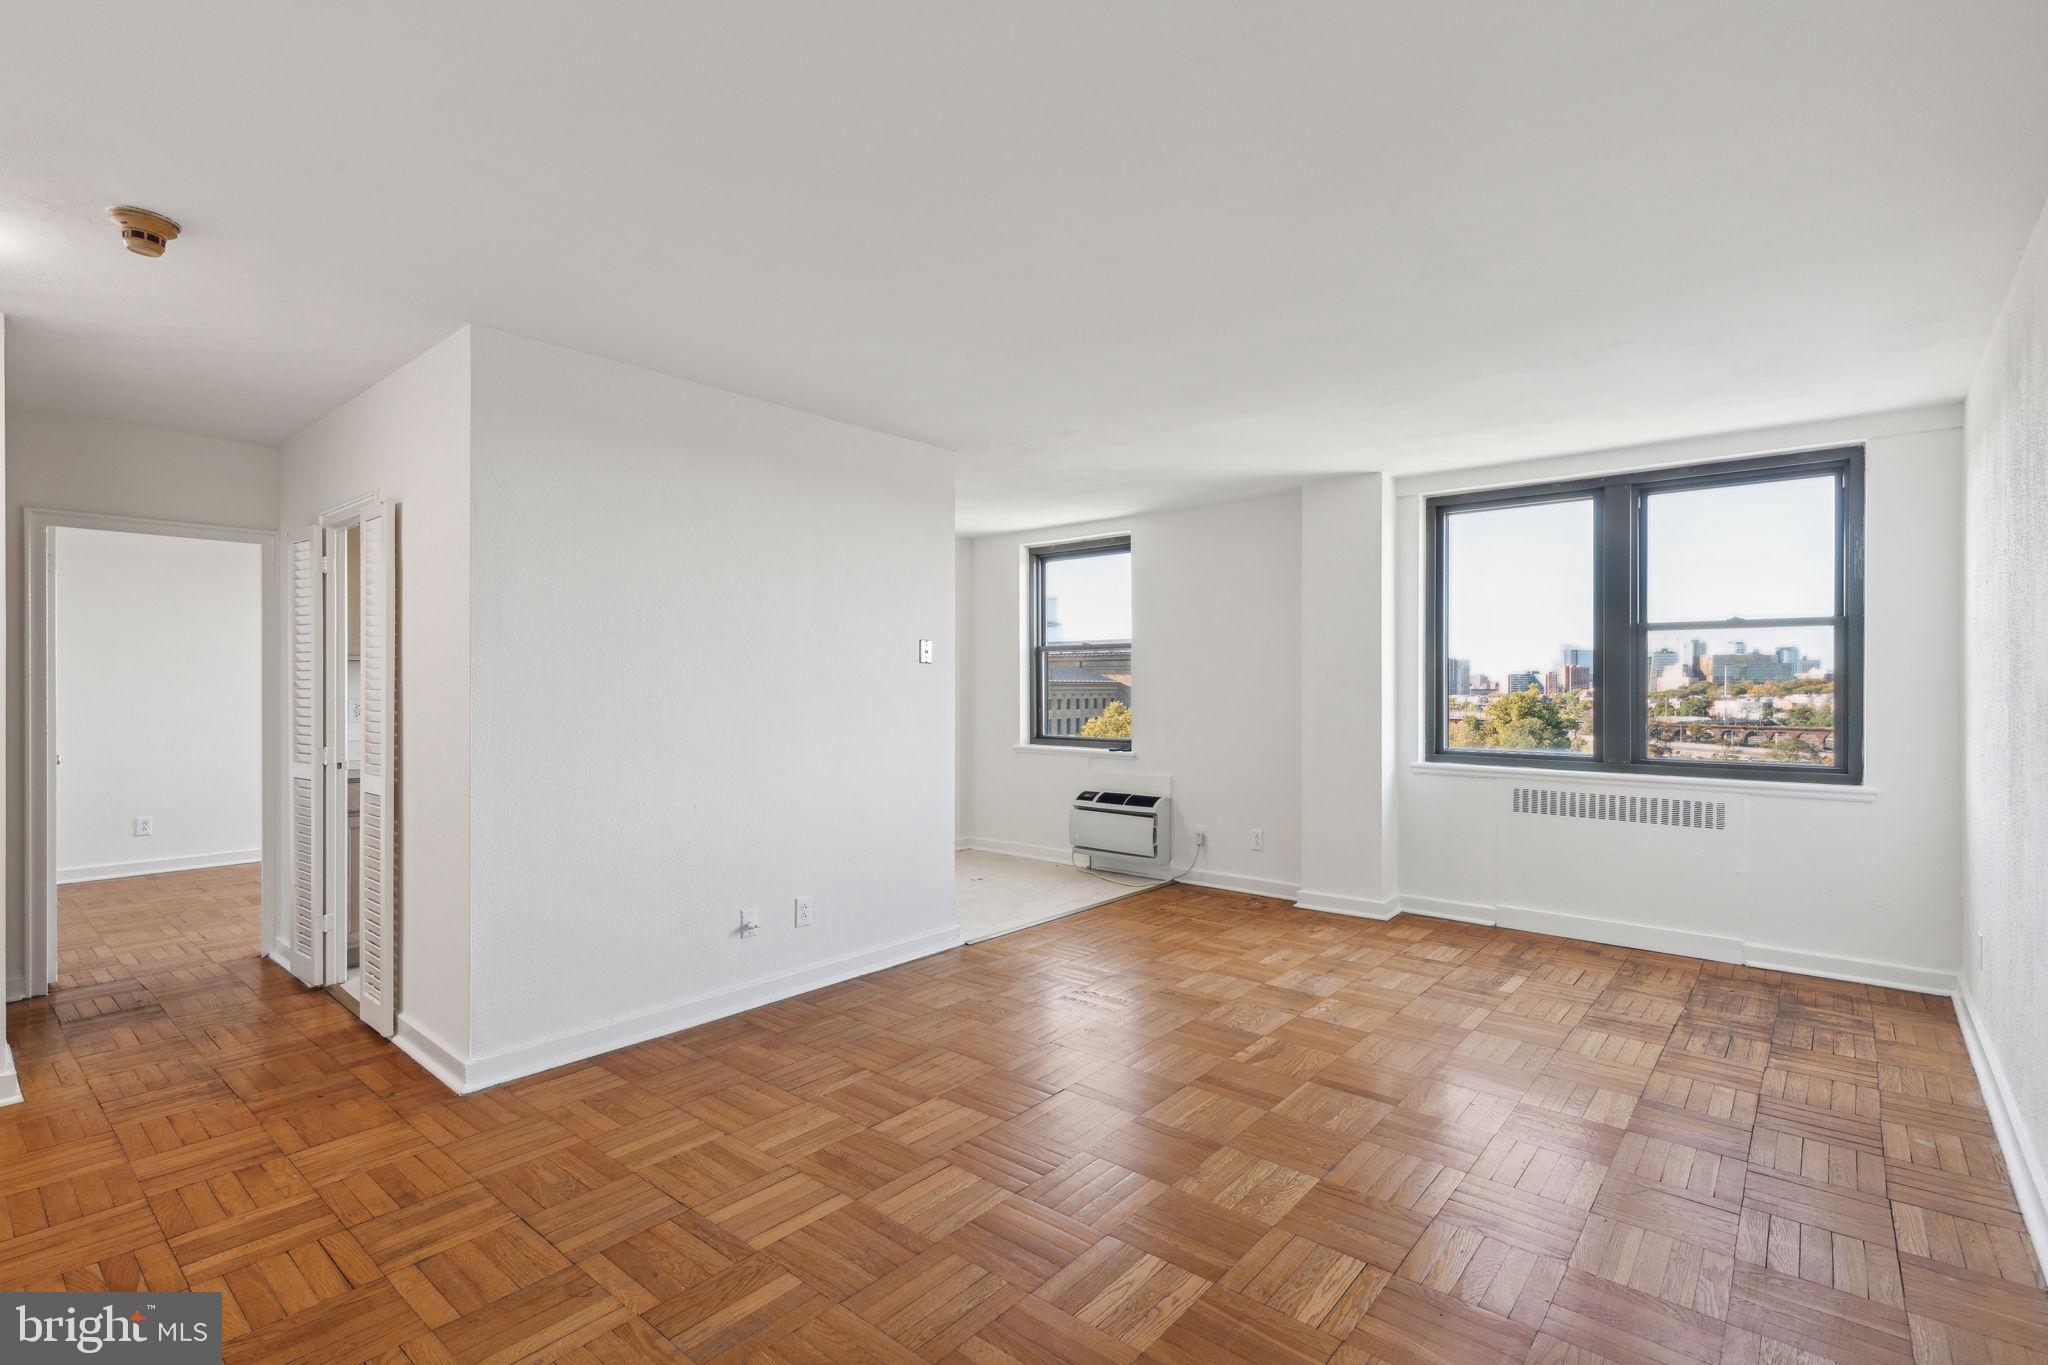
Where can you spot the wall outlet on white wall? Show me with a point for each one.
(144, 824)
(803, 912)
(924, 651)
(1258, 841)
(1201, 836)
(750, 923)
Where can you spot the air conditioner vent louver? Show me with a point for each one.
(1676, 812)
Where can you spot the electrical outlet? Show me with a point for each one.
(803, 912)
(1201, 836)
(144, 824)
(924, 651)
(1258, 841)
(750, 923)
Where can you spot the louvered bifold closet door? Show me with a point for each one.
(305, 899)
(376, 891)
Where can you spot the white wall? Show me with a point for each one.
(407, 439)
(1864, 883)
(159, 703)
(695, 625)
(1348, 771)
(1215, 691)
(2005, 665)
(10, 1085)
(78, 464)
(963, 694)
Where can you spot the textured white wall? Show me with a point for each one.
(2006, 694)
(1215, 690)
(407, 438)
(695, 625)
(84, 464)
(159, 702)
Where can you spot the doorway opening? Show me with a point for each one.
(147, 668)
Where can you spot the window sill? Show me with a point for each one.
(1797, 791)
(1123, 755)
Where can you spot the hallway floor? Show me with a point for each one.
(996, 894)
(1188, 1126)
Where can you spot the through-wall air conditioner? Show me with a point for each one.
(1123, 831)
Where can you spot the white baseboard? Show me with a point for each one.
(10, 1084)
(1687, 943)
(1464, 912)
(1592, 928)
(962, 843)
(1653, 938)
(1358, 907)
(1198, 876)
(106, 872)
(1237, 881)
(1044, 853)
(437, 1057)
(1897, 975)
(476, 1073)
(2022, 1159)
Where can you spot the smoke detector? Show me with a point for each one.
(143, 232)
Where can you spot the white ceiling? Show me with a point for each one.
(1118, 255)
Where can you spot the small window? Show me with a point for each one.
(1081, 644)
(1704, 621)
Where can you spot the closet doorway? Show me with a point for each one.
(341, 876)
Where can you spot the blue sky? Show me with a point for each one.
(1521, 580)
(1094, 596)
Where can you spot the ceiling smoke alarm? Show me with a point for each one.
(143, 232)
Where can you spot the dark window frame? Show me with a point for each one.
(1621, 629)
(1035, 728)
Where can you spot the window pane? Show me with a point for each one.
(1753, 550)
(1518, 628)
(1764, 696)
(1088, 597)
(1086, 687)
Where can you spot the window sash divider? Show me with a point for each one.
(1747, 623)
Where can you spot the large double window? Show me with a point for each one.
(1081, 644)
(1705, 621)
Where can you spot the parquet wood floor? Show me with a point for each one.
(1188, 1126)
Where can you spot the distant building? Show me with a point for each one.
(1575, 656)
(1522, 682)
(1081, 682)
(1661, 659)
(1672, 677)
(1457, 677)
(1741, 665)
(1482, 689)
(1574, 677)
(1740, 708)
